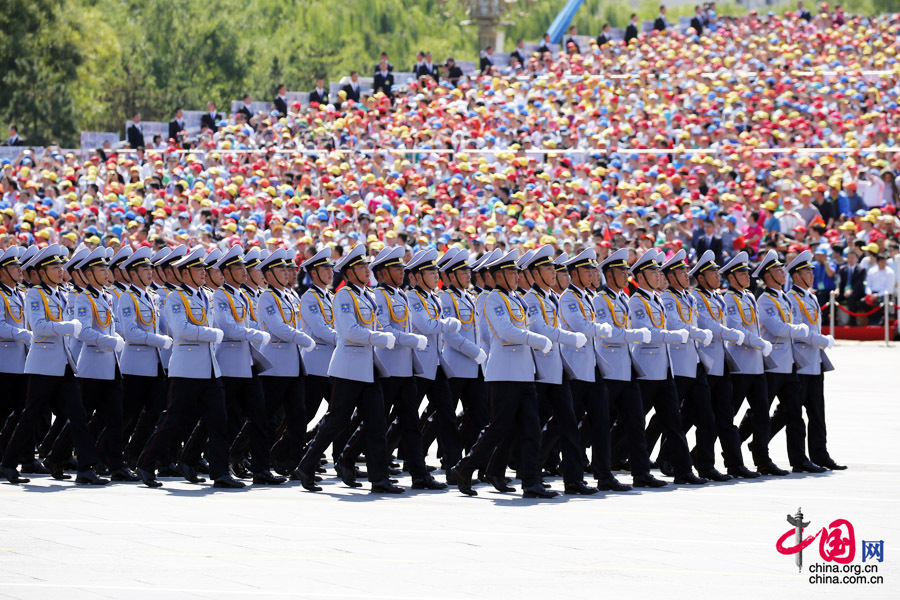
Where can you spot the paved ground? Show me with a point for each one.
(62, 541)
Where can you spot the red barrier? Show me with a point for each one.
(869, 333)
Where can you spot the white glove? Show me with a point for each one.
(264, 337)
(310, 343)
(767, 348)
(219, 335)
(539, 342)
(580, 339)
(482, 356)
(547, 346)
(604, 330)
(167, 342)
(76, 327)
(120, 344)
(645, 333)
(453, 323)
(741, 337)
(421, 342)
(684, 335)
(707, 337)
(389, 341)
(803, 328)
(829, 342)
(24, 336)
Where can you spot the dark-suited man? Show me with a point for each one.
(605, 36)
(14, 139)
(245, 108)
(487, 61)
(135, 133)
(280, 101)
(351, 88)
(632, 31)
(209, 120)
(320, 94)
(453, 71)
(176, 125)
(570, 44)
(384, 79)
(851, 282)
(709, 240)
(428, 68)
(697, 21)
(518, 55)
(660, 23)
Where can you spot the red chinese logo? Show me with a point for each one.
(837, 542)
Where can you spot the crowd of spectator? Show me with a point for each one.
(760, 132)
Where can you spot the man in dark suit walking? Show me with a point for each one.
(320, 94)
(135, 133)
(660, 23)
(176, 125)
(697, 20)
(280, 101)
(710, 240)
(632, 31)
(209, 120)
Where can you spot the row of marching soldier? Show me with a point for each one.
(186, 362)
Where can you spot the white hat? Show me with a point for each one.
(321, 259)
(648, 260)
(769, 261)
(139, 257)
(460, 260)
(234, 256)
(587, 258)
(707, 261)
(677, 261)
(738, 263)
(539, 256)
(195, 258)
(801, 261)
(354, 257)
(423, 260)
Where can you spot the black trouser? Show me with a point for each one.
(347, 395)
(696, 410)
(244, 401)
(662, 395)
(786, 387)
(13, 390)
(562, 428)
(629, 408)
(103, 399)
(316, 389)
(590, 400)
(812, 394)
(720, 395)
(513, 406)
(143, 401)
(63, 396)
(472, 392)
(401, 400)
(755, 390)
(442, 404)
(189, 400)
(286, 406)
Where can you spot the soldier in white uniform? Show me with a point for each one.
(711, 315)
(778, 328)
(352, 370)
(51, 370)
(461, 351)
(510, 372)
(653, 362)
(745, 359)
(196, 381)
(616, 366)
(15, 339)
(806, 310)
(428, 368)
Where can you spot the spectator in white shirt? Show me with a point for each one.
(880, 279)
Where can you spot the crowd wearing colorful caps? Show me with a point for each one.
(773, 132)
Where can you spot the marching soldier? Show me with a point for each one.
(353, 376)
(317, 318)
(806, 311)
(240, 363)
(653, 362)
(777, 327)
(15, 339)
(561, 283)
(509, 371)
(120, 283)
(745, 360)
(144, 381)
(398, 387)
(711, 316)
(687, 368)
(616, 365)
(461, 351)
(51, 370)
(196, 382)
(283, 382)
(551, 386)
(431, 377)
(589, 394)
